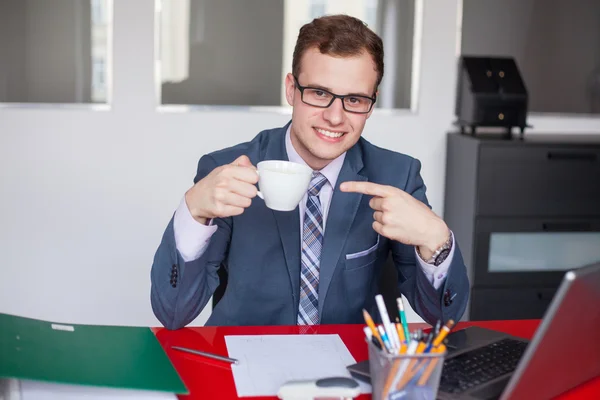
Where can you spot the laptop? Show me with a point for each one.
(484, 364)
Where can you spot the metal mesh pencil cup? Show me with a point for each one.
(404, 377)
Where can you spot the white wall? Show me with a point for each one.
(86, 195)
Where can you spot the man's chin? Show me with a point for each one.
(328, 156)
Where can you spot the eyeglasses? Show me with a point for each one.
(322, 98)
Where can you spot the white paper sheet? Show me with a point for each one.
(268, 361)
(34, 390)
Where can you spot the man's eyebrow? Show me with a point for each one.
(317, 86)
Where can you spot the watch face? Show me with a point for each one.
(441, 257)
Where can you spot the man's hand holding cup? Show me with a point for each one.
(225, 192)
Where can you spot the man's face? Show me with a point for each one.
(320, 135)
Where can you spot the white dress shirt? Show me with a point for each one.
(192, 237)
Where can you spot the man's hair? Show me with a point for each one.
(339, 35)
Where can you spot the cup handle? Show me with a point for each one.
(258, 193)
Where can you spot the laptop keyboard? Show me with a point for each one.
(478, 366)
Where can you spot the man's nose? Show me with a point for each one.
(334, 114)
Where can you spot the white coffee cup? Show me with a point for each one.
(282, 184)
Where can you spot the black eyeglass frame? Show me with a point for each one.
(335, 96)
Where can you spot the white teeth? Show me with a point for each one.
(329, 134)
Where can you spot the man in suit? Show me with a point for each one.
(321, 263)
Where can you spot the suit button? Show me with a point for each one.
(174, 275)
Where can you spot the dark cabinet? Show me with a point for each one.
(538, 180)
(524, 211)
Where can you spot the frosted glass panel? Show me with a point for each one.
(548, 251)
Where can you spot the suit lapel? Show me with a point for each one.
(288, 222)
(342, 212)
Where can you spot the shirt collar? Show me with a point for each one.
(331, 171)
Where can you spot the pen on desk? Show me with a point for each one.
(443, 333)
(368, 333)
(208, 355)
(420, 335)
(371, 326)
(438, 326)
(385, 339)
(400, 303)
(429, 341)
(425, 376)
(421, 346)
(400, 330)
(385, 319)
(404, 367)
(417, 346)
(396, 338)
(371, 338)
(400, 336)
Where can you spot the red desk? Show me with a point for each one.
(207, 379)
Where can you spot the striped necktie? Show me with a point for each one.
(312, 241)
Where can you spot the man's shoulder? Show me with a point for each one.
(252, 148)
(388, 167)
(374, 156)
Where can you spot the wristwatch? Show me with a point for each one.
(440, 254)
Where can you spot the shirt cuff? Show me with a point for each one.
(437, 275)
(191, 237)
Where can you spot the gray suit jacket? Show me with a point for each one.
(261, 252)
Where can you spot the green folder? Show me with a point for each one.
(102, 356)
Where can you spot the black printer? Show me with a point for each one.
(490, 93)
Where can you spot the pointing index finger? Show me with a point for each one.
(369, 188)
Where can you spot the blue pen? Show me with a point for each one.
(429, 341)
(403, 318)
(434, 332)
(385, 339)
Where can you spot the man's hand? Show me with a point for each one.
(401, 217)
(226, 191)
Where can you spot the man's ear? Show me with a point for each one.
(373, 108)
(290, 89)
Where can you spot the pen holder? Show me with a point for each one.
(404, 377)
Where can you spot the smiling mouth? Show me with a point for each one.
(330, 134)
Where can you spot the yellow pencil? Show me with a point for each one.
(374, 330)
(443, 333)
(401, 336)
(400, 330)
(423, 379)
